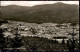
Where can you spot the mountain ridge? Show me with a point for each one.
(42, 13)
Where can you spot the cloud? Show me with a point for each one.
(32, 3)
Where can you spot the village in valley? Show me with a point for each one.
(39, 26)
(46, 30)
(18, 34)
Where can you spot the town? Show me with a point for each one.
(46, 30)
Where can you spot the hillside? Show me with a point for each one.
(56, 13)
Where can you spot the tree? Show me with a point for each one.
(71, 43)
(8, 41)
(63, 41)
(17, 41)
(2, 39)
(0, 22)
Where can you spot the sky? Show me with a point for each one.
(33, 3)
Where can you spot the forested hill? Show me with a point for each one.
(56, 13)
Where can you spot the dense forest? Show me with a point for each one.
(56, 13)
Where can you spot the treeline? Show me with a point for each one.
(38, 43)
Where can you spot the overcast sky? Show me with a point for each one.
(32, 3)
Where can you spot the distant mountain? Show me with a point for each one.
(57, 13)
